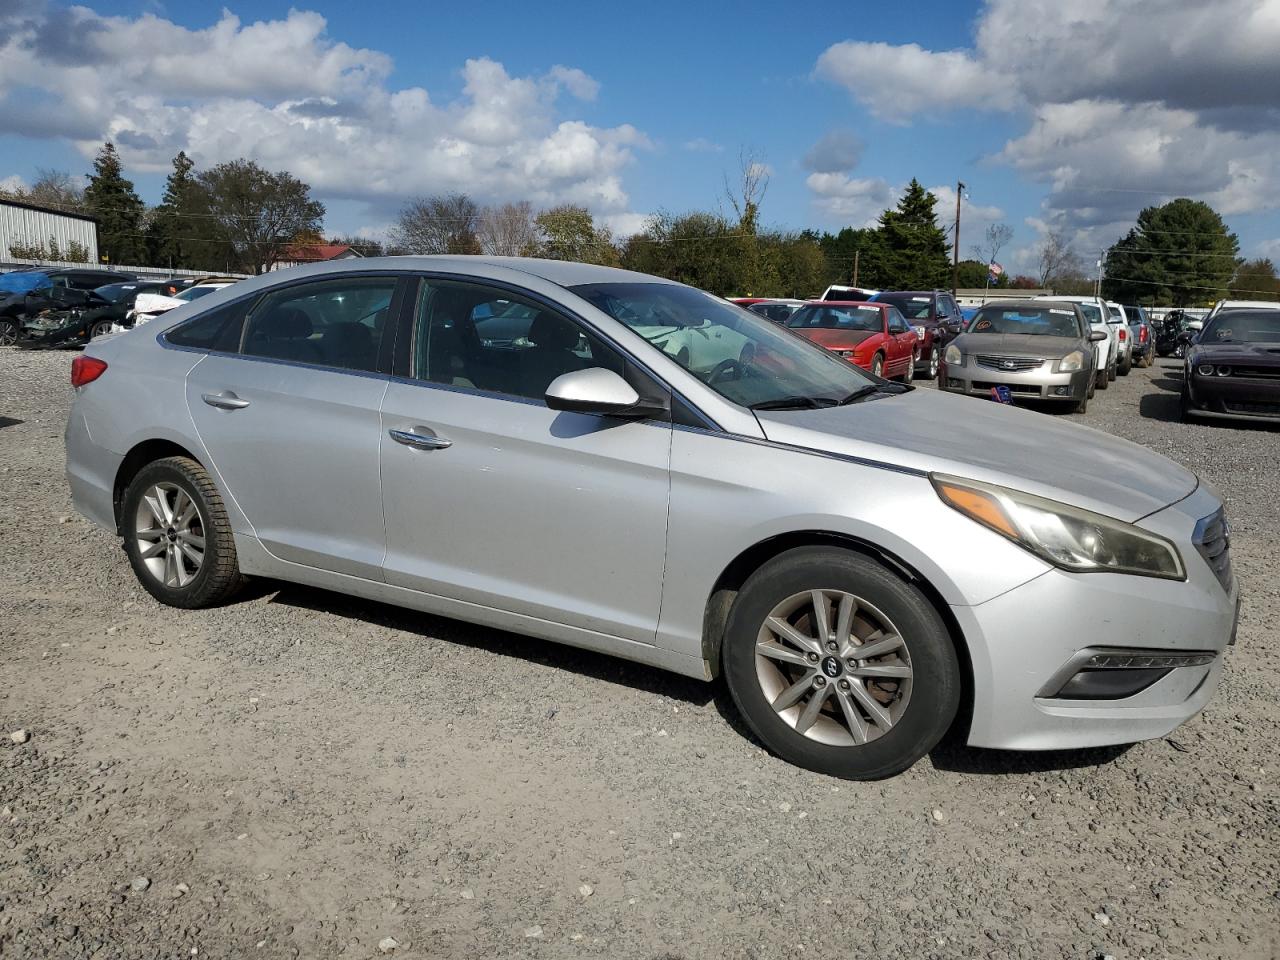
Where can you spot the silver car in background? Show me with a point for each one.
(1037, 350)
(855, 558)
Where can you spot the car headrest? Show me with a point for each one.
(552, 332)
(286, 323)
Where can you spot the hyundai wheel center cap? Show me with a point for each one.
(832, 667)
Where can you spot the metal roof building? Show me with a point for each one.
(24, 224)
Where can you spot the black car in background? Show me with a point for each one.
(77, 324)
(1173, 334)
(25, 295)
(1233, 367)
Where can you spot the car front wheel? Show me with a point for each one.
(840, 666)
(177, 536)
(8, 331)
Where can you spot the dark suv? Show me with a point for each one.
(936, 319)
(26, 293)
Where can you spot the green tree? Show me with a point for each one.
(697, 248)
(913, 247)
(848, 250)
(569, 232)
(181, 233)
(1256, 280)
(112, 201)
(259, 213)
(1177, 254)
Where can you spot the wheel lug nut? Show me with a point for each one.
(844, 684)
(832, 646)
(819, 681)
(813, 658)
(851, 663)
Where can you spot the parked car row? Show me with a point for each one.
(69, 307)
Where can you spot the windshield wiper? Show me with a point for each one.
(873, 388)
(793, 403)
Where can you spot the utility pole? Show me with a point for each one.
(955, 240)
(856, 255)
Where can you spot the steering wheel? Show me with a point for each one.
(721, 370)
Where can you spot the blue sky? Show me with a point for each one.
(645, 107)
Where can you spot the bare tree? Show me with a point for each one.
(998, 234)
(441, 224)
(1057, 258)
(56, 189)
(747, 194)
(508, 230)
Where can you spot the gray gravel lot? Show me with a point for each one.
(303, 774)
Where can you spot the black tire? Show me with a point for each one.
(1111, 373)
(877, 365)
(1103, 380)
(99, 329)
(935, 683)
(9, 331)
(218, 576)
(1124, 368)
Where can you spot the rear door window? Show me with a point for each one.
(329, 323)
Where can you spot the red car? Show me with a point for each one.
(875, 336)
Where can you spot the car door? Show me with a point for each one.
(291, 420)
(903, 344)
(494, 499)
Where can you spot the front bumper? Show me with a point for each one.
(1242, 397)
(1039, 384)
(1021, 642)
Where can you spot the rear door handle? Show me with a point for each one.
(224, 401)
(420, 441)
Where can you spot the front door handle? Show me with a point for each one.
(224, 401)
(420, 441)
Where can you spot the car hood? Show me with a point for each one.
(155, 303)
(983, 440)
(1229, 353)
(1017, 344)
(835, 339)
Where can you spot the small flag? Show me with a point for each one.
(994, 272)
(1001, 394)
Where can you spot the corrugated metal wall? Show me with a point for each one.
(21, 225)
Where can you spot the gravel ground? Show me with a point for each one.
(302, 774)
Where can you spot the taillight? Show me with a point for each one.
(1123, 336)
(86, 370)
(1142, 334)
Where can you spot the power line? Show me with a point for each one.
(1188, 286)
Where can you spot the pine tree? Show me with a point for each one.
(111, 199)
(181, 236)
(1180, 253)
(912, 252)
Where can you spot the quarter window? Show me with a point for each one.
(213, 330)
(470, 335)
(331, 323)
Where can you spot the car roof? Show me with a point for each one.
(1045, 304)
(848, 303)
(1251, 304)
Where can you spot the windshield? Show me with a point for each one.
(1243, 326)
(1036, 321)
(195, 293)
(742, 356)
(1091, 312)
(913, 306)
(819, 317)
(23, 282)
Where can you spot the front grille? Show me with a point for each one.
(1213, 539)
(1241, 406)
(1256, 373)
(1008, 364)
(1018, 389)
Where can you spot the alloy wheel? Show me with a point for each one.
(8, 333)
(833, 667)
(170, 533)
(934, 360)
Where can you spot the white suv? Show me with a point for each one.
(1108, 350)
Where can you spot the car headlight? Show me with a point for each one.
(953, 356)
(1067, 537)
(1205, 370)
(1072, 361)
(919, 332)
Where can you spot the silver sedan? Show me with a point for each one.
(505, 442)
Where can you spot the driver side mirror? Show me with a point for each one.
(1097, 336)
(598, 390)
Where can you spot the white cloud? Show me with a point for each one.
(702, 145)
(1126, 104)
(897, 81)
(284, 93)
(837, 151)
(625, 225)
(856, 201)
(13, 184)
(974, 217)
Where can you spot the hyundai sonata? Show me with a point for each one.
(856, 558)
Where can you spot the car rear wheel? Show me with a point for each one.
(877, 365)
(8, 331)
(100, 329)
(935, 359)
(840, 666)
(1102, 380)
(910, 373)
(177, 535)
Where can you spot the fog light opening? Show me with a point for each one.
(1119, 674)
